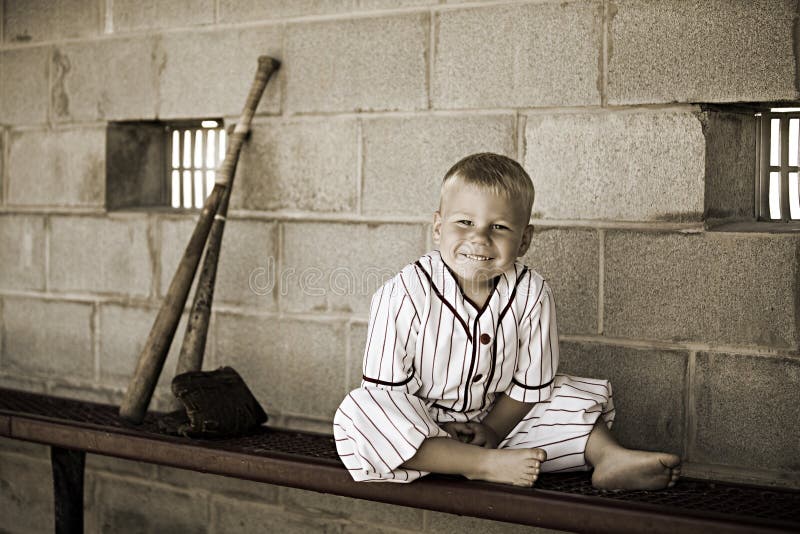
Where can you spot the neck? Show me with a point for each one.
(476, 293)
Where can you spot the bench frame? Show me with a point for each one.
(71, 440)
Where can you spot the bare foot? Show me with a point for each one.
(626, 469)
(519, 467)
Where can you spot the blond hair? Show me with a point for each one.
(497, 174)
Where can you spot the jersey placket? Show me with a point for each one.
(483, 343)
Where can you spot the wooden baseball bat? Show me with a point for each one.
(194, 340)
(151, 359)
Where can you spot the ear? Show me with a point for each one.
(437, 227)
(527, 235)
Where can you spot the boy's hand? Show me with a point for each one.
(474, 434)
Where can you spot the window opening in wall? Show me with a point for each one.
(777, 187)
(162, 164)
(196, 148)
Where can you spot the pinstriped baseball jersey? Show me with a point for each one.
(428, 339)
(432, 357)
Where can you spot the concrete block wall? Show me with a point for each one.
(599, 99)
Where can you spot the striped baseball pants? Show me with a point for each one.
(377, 430)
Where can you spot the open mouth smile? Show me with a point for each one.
(476, 257)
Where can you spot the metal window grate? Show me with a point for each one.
(777, 188)
(196, 149)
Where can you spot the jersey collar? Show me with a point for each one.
(443, 279)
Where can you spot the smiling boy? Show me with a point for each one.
(461, 359)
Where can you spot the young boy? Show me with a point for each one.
(461, 358)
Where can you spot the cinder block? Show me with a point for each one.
(306, 424)
(231, 515)
(108, 464)
(48, 20)
(247, 264)
(405, 159)
(175, 234)
(569, 261)
(730, 164)
(57, 167)
(149, 14)
(101, 255)
(619, 166)
(22, 252)
(340, 266)
(246, 271)
(209, 74)
(358, 65)
(454, 524)
(27, 496)
(648, 388)
(123, 332)
(746, 411)
(242, 489)
(701, 51)
(712, 288)
(388, 4)
(27, 448)
(540, 54)
(355, 357)
(93, 80)
(332, 507)
(291, 366)
(24, 383)
(299, 165)
(125, 505)
(251, 10)
(24, 96)
(48, 337)
(3, 144)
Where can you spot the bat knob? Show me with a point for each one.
(268, 63)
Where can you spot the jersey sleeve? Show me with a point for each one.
(538, 347)
(391, 339)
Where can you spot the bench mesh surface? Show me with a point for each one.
(751, 507)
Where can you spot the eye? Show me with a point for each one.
(499, 227)
(465, 222)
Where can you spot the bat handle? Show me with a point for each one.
(266, 67)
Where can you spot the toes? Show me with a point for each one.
(670, 461)
(532, 464)
(534, 472)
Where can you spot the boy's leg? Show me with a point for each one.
(616, 467)
(452, 457)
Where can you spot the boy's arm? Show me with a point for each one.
(501, 419)
(504, 416)
(387, 363)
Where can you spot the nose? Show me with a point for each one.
(480, 235)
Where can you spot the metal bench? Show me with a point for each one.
(309, 461)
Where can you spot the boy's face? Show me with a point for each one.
(480, 234)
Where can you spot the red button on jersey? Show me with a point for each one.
(486, 339)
